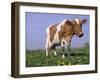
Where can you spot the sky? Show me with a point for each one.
(36, 24)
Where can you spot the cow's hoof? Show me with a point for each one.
(46, 55)
(55, 54)
(63, 56)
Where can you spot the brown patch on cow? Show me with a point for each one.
(66, 30)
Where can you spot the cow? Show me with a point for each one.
(61, 34)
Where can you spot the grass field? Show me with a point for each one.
(78, 56)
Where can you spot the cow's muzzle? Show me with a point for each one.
(80, 34)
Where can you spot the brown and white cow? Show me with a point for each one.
(60, 34)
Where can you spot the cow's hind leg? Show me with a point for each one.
(68, 47)
(47, 51)
(55, 53)
(47, 47)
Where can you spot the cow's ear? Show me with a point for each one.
(84, 21)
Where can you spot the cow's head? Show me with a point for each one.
(77, 26)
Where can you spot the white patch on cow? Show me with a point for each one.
(77, 20)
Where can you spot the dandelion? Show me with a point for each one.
(61, 62)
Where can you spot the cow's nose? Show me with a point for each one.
(81, 34)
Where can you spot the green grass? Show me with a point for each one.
(78, 56)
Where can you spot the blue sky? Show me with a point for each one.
(36, 24)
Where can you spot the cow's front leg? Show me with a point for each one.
(66, 41)
(68, 47)
(55, 53)
(62, 46)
